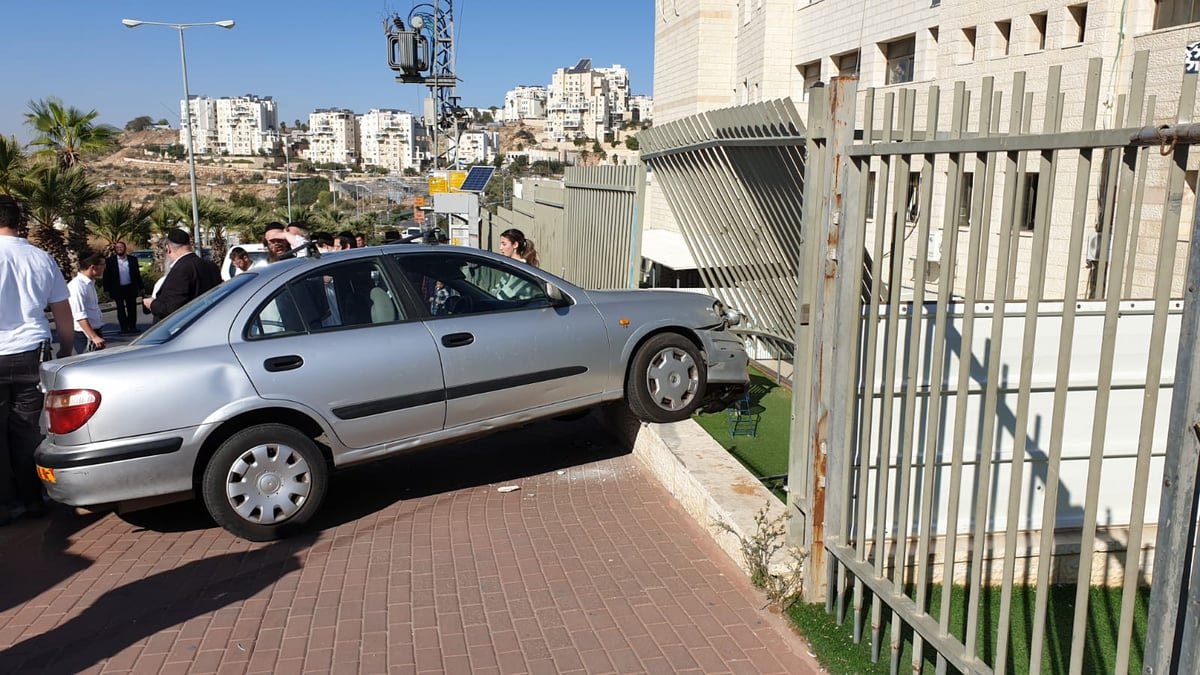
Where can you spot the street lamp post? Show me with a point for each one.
(187, 102)
(287, 175)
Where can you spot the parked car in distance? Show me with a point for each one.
(249, 396)
(145, 258)
(258, 258)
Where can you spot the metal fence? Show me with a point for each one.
(586, 228)
(734, 179)
(986, 320)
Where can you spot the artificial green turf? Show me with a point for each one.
(835, 648)
(766, 454)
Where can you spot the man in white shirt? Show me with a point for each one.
(85, 306)
(29, 281)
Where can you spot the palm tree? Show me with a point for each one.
(54, 194)
(12, 163)
(162, 220)
(66, 133)
(117, 221)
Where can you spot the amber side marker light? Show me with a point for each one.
(46, 474)
(624, 322)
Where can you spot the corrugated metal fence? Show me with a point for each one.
(586, 229)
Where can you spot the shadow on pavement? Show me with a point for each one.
(30, 566)
(130, 613)
(527, 451)
(362, 490)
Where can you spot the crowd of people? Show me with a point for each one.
(32, 282)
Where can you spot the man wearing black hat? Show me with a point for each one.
(188, 277)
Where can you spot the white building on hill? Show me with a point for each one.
(234, 125)
(332, 137)
(391, 139)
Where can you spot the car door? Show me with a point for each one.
(337, 341)
(503, 348)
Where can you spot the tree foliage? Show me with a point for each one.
(66, 132)
(140, 123)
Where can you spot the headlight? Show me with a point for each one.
(732, 316)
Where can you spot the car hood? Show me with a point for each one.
(697, 310)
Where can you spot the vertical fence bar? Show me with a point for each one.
(1014, 162)
(1033, 297)
(908, 442)
(1103, 391)
(936, 422)
(881, 469)
(861, 399)
(1066, 341)
(976, 258)
(884, 553)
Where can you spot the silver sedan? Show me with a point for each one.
(248, 397)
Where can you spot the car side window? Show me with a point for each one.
(453, 283)
(335, 296)
(278, 316)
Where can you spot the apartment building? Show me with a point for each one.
(332, 137)
(577, 104)
(525, 103)
(713, 54)
(475, 147)
(232, 125)
(391, 139)
(617, 79)
(641, 109)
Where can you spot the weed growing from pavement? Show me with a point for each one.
(759, 548)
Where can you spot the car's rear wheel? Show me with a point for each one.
(666, 379)
(265, 481)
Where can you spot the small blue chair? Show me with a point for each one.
(742, 421)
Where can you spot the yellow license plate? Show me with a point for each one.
(46, 474)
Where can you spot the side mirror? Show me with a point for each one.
(557, 298)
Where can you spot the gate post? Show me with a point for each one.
(824, 346)
(1173, 621)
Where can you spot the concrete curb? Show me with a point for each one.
(703, 477)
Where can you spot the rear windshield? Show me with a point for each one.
(185, 316)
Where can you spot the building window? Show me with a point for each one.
(870, 214)
(1079, 19)
(912, 210)
(969, 39)
(1031, 195)
(1169, 13)
(847, 64)
(899, 55)
(811, 72)
(1039, 30)
(1004, 31)
(966, 191)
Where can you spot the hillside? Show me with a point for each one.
(139, 170)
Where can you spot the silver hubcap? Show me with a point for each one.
(268, 484)
(672, 379)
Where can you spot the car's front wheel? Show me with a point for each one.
(265, 481)
(666, 379)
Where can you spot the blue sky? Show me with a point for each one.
(306, 54)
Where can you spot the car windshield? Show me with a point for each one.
(175, 324)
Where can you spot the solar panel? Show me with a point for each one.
(477, 178)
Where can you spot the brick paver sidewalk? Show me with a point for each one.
(418, 564)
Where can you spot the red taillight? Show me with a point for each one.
(69, 409)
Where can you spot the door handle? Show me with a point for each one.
(277, 364)
(457, 339)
